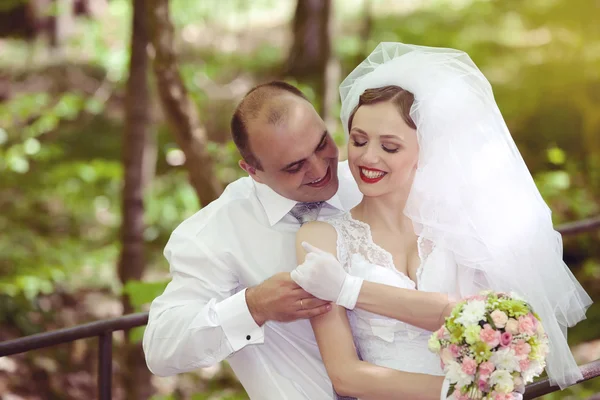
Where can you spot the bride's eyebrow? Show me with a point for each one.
(393, 137)
(358, 130)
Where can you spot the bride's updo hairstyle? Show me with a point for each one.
(402, 99)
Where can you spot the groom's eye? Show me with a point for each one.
(296, 168)
(322, 145)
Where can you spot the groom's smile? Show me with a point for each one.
(321, 182)
(299, 158)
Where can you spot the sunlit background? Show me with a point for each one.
(71, 125)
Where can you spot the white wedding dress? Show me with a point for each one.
(381, 340)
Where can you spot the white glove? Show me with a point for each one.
(322, 275)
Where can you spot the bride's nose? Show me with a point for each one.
(371, 154)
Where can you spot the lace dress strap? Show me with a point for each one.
(343, 253)
(354, 237)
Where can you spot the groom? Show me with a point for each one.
(231, 296)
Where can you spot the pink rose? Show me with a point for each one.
(512, 326)
(500, 318)
(441, 332)
(469, 366)
(524, 364)
(522, 348)
(446, 355)
(486, 368)
(482, 384)
(534, 320)
(503, 396)
(459, 396)
(526, 326)
(455, 350)
(505, 339)
(490, 336)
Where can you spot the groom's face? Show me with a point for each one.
(298, 156)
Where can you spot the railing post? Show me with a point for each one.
(105, 366)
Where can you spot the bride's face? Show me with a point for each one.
(383, 150)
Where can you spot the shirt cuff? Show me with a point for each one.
(237, 322)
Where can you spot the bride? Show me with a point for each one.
(449, 207)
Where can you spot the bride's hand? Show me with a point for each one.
(322, 275)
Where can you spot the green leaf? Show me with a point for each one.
(137, 334)
(556, 156)
(141, 293)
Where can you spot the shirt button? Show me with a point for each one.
(248, 337)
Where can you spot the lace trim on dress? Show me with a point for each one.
(355, 237)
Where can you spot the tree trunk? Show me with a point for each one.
(61, 25)
(180, 110)
(135, 151)
(310, 53)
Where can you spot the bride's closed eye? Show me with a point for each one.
(393, 149)
(357, 143)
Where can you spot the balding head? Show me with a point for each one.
(284, 143)
(269, 102)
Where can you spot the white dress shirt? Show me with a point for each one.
(238, 241)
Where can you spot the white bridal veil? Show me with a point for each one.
(473, 195)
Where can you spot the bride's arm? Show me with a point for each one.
(349, 375)
(353, 377)
(425, 310)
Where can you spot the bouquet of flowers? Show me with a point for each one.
(490, 347)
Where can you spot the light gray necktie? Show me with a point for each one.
(305, 212)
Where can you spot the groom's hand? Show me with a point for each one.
(281, 299)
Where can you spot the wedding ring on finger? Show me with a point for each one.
(301, 305)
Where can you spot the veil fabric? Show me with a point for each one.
(473, 196)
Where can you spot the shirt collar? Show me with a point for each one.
(276, 206)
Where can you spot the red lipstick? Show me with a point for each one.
(375, 175)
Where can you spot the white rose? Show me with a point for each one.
(512, 326)
(505, 359)
(502, 381)
(434, 344)
(472, 313)
(539, 329)
(500, 318)
(515, 296)
(455, 374)
(535, 369)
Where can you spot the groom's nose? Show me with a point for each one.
(318, 167)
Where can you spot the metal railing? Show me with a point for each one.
(105, 328)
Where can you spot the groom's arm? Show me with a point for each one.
(205, 314)
(202, 317)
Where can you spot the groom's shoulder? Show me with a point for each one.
(238, 195)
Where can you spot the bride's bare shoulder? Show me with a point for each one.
(319, 234)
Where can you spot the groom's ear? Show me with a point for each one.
(249, 169)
